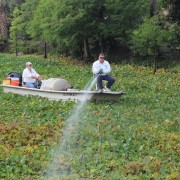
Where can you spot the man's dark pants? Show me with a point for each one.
(105, 77)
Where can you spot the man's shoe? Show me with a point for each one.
(107, 89)
(103, 90)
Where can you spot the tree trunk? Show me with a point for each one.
(3, 23)
(102, 18)
(81, 50)
(130, 22)
(16, 47)
(153, 11)
(87, 53)
(153, 7)
(102, 45)
(155, 65)
(45, 50)
(156, 58)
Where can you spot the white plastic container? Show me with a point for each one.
(55, 84)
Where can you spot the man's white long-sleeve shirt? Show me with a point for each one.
(27, 75)
(97, 66)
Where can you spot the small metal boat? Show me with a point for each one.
(80, 95)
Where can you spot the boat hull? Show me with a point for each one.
(64, 95)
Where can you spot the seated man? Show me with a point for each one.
(30, 76)
(101, 69)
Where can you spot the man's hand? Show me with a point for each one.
(39, 78)
(101, 71)
(34, 77)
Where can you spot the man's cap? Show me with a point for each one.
(28, 63)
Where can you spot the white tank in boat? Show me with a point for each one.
(55, 84)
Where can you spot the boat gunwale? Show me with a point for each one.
(60, 92)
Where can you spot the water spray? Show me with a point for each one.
(59, 167)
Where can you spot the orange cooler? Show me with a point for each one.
(14, 81)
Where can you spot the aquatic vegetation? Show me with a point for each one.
(137, 137)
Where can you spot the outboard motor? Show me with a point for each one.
(16, 75)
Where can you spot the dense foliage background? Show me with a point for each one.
(83, 28)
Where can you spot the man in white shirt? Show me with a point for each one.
(101, 70)
(30, 76)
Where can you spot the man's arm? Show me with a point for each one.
(108, 69)
(27, 74)
(36, 75)
(95, 69)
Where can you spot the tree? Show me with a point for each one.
(147, 39)
(14, 4)
(75, 27)
(5, 9)
(125, 16)
(172, 7)
(176, 11)
(67, 26)
(171, 12)
(19, 35)
(3, 22)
